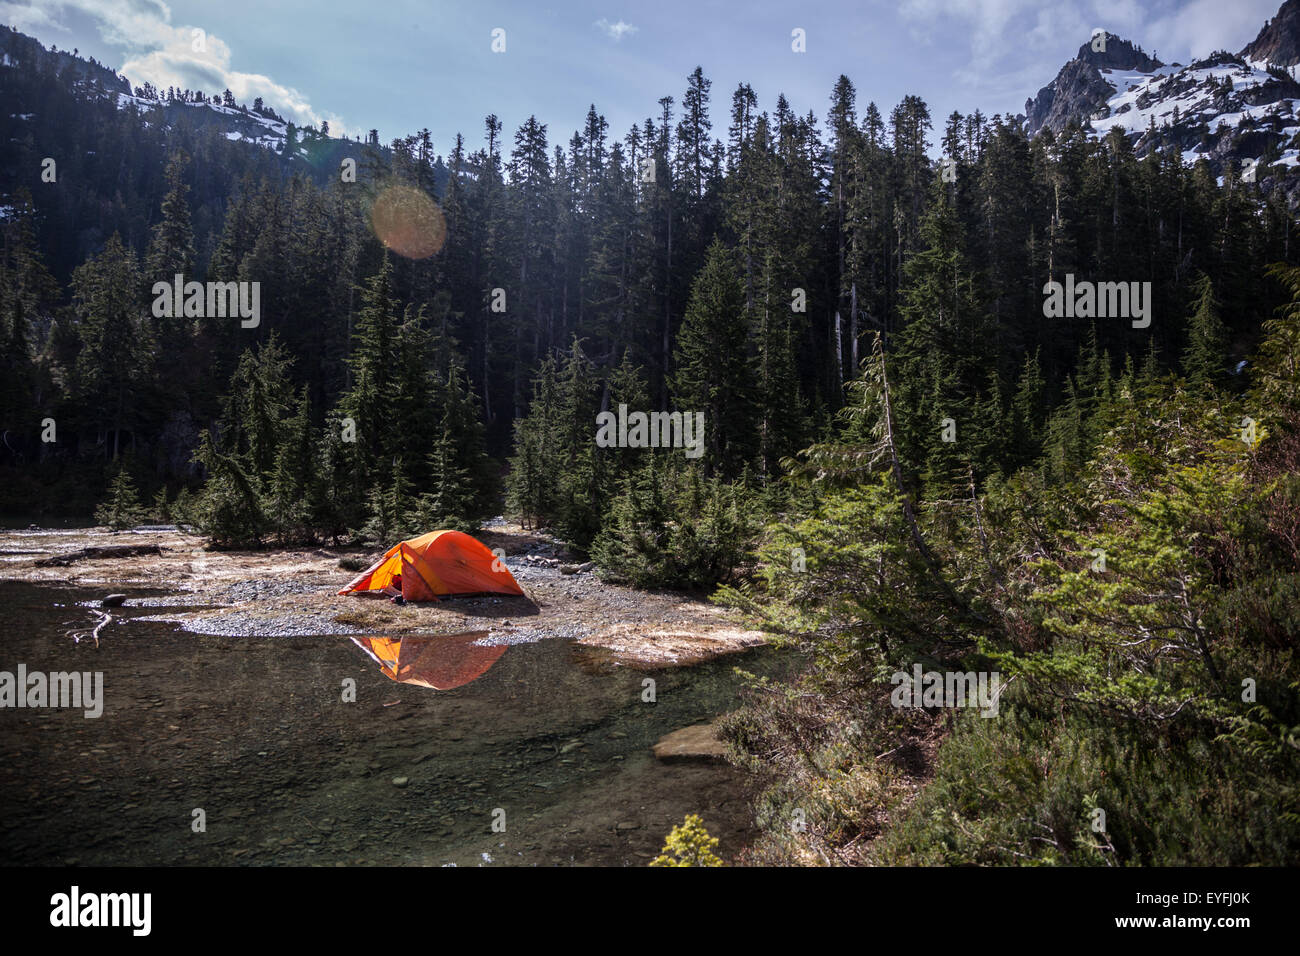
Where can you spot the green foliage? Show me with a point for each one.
(392, 510)
(532, 490)
(1206, 355)
(171, 253)
(944, 360)
(162, 507)
(229, 509)
(582, 486)
(740, 282)
(1278, 377)
(292, 492)
(713, 380)
(1139, 611)
(116, 358)
(243, 460)
(182, 509)
(403, 452)
(121, 509)
(1023, 788)
(671, 527)
(835, 759)
(689, 844)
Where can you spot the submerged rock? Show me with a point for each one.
(698, 742)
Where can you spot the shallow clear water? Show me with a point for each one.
(550, 739)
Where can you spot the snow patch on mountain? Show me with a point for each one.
(246, 125)
(1191, 94)
(1232, 110)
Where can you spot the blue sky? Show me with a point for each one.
(400, 66)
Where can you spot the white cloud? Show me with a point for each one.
(28, 18)
(998, 31)
(165, 54)
(615, 31)
(1000, 51)
(1200, 27)
(1181, 29)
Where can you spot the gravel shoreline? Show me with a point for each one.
(292, 592)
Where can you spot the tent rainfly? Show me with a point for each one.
(438, 564)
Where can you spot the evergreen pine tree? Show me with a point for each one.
(115, 364)
(1205, 358)
(711, 378)
(121, 509)
(292, 498)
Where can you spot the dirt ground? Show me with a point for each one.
(291, 592)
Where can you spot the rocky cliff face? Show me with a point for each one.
(1279, 42)
(1116, 53)
(1075, 93)
(1080, 88)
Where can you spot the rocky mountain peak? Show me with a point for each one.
(1279, 41)
(1116, 53)
(1079, 87)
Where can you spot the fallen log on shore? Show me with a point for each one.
(104, 551)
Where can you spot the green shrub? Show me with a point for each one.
(674, 529)
(121, 509)
(689, 844)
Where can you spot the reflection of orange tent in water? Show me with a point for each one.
(438, 564)
(438, 662)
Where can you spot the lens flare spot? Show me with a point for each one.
(408, 222)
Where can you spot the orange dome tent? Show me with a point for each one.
(438, 564)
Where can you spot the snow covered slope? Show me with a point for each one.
(1233, 110)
